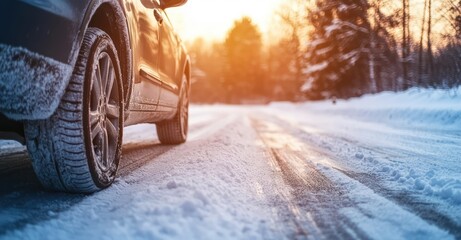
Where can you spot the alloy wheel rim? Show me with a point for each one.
(104, 112)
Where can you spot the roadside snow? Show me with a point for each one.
(411, 139)
(439, 109)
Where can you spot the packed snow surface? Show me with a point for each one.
(383, 166)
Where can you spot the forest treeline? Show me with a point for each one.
(321, 49)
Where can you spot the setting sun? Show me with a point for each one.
(212, 18)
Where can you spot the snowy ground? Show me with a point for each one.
(382, 167)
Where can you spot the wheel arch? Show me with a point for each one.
(186, 69)
(109, 16)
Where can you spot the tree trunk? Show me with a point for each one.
(421, 47)
(372, 53)
(429, 43)
(405, 44)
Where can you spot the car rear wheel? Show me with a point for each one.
(78, 148)
(174, 131)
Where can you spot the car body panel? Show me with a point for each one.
(170, 55)
(53, 32)
(169, 59)
(145, 39)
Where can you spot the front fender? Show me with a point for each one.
(31, 85)
(38, 54)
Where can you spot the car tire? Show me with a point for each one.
(175, 131)
(78, 148)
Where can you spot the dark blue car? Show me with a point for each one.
(73, 73)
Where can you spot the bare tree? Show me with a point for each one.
(430, 68)
(292, 15)
(406, 43)
(421, 46)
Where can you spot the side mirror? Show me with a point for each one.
(172, 3)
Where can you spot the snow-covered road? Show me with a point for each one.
(380, 167)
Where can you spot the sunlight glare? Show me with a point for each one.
(211, 19)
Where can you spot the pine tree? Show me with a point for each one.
(243, 47)
(337, 56)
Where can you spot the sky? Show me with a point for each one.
(211, 19)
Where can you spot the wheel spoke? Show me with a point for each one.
(96, 90)
(94, 119)
(104, 65)
(110, 81)
(112, 111)
(99, 81)
(105, 148)
(112, 131)
(96, 130)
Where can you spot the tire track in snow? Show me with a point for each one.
(213, 127)
(21, 190)
(16, 172)
(313, 200)
(349, 210)
(137, 156)
(138, 152)
(13, 160)
(422, 208)
(406, 199)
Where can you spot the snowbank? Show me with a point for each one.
(440, 109)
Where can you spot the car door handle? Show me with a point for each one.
(158, 16)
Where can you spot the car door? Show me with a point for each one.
(170, 53)
(145, 37)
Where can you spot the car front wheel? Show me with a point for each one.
(78, 148)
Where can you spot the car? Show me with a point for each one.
(73, 73)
